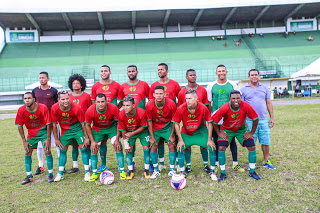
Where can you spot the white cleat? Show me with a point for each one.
(171, 173)
(58, 178)
(155, 174)
(87, 176)
(162, 167)
(213, 176)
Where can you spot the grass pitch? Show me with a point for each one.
(293, 187)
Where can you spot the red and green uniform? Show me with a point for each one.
(36, 122)
(171, 88)
(111, 91)
(83, 100)
(201, 93)
(139, 91)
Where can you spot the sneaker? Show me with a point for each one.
(146, 174)
(155, 175)
(27, 180)
(206, 168)
(162, 167)
(123, 175)
(213, 176)
(171, 173)
(93, 177)
(237, 168)
(102, 168)
(50, 178)
(151, 168)
(269, 165)
(222, 177)
(39, 171)
(188, 169)
(130, 175)
(255, 175)
(58, 178)
(87, 176)
(73, 170)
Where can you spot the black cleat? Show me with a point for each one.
(188, 169)
(207, 169)
(222, 177)
(50, 178)
(27, 180)
(73, 170)
(39, 171)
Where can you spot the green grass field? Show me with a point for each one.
(293, 187)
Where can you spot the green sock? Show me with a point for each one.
(252, 159)
(103, 154)
(172, 159)
(146, 156)
(94, 162)
(181, 161)
(85, 159)
(129, 160)
(50, 163)
(133, 151)
(154, 158)
(75, 154)
(187, 154)
(204, 153)
(222, 161)
(88, 152)
(212, 155)
(161, 153)
(120, 159)
(62, 160)
(27, 163)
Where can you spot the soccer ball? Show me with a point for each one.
(106, 177)
(178, 181)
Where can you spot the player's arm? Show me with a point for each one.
(210, 106)
(172, 137)
(210, 143)
(270, 110)
(117, 144)
(152, 138)
(221, 134)
(137, 131)
(23, 137)
(94, 144)
(181, 142)
(120, 104)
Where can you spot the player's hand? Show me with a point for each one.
(86, 142)
(117, 145)
(47, 144)
(247, 135)
(172, 138)
(152, 141)
(211, 145)
(129, 150)
(223, 135)
(128, 135)
(271, 123)
(94, 146)
(180, 146)
(26, 144)
(58, 143)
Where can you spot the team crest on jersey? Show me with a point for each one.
(132, 89)
(234, 116)
(102, 117)
(33, 117)
(222, 91)
(191, 116)
(160, 112)
(131, 120)
(65, 114)
(165, 88)
(105, 88)
(76, 101)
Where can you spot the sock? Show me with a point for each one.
(172, 159)
(234, 163)
(94, 162)
(187, 154)
(161, 153)
(217, 150)
(50, 164)
(234, 149)
(120, 159)
(27, 163)
(75, 154)
(222, 161)
(154, 158)
(85, 159)
(181, 161)
(204, 153)
(129, 161)
(252, 160)
(89, 154)
(40, 156)
(212, 155)
(62, 160)
(103, 154)
(146, 156)
(133, 152)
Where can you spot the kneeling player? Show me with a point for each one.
(36, 117)
(132, 124)
(160, 111)
(73, 131)
(234, 115)
(193, 115)
(104, 117)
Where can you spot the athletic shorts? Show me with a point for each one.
(143, 136)
(199, 138)
(263, 131)
(35, 140)
(74, 139)
(235, 134)
(164, 133)
(104, 134)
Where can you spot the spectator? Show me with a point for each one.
(285, 34)
(275, 93)
(105, 41)
(318, 89)
(238, 43)
(90, 42)
(294, 33)
(310, 38)
(226, 44)
(219, 37)
(285, 92)
(261, 34)
(280, 92)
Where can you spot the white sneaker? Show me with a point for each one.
(58, 178)
(213, 176)
(171, 173)
(162, 167)
(155, 174)
(87, 176)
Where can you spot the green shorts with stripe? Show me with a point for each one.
(104, 134)
(164, 133)
(72, 139)
(199, 137)
(237, 134)
(143, 136)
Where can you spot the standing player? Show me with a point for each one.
(104, 117)
(191, 77)
(36, 117)
(172, 89)
(258, 96)
(46, 95)
(193, 115)
(77, 85)
(160, 111)
(234, 115)
(71, 120)
(219, 93)
(132, 124)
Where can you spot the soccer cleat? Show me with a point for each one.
(162, 167)
(58, 177)
(87, 176)
(27, 180)
(237, 168)
(151, 167)
(50, 178)
(222, 177)
(155, 174)
(134, 166)
(130, 175)
(123, 175)
(93, 177)
(207, 169)
(269, 165)
(102, 168)
(255, 175)
(39, 171)
(213, 176)
(73, 170)
(188, 169)
(146, 174)
(171, 173)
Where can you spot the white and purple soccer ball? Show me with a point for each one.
(178, 181)
(106, 177)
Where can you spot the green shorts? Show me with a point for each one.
(237, 134)
(104, 134)
(143, 137)
(199, 137)
(164, 133)
(74, 139)
(35, 140)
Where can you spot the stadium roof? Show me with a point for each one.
(129, 15)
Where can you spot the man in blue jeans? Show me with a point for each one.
(258, 96)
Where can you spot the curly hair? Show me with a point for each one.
(77, 77)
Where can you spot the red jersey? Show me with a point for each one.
(83, 100)
(111, 91)
(139, 91)
(160, 117)
(191, 122)
(131, 124)
(171, 88)
(234, 120)
(34, 121)
(201, 93)
(104, 119)
(70, 120)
